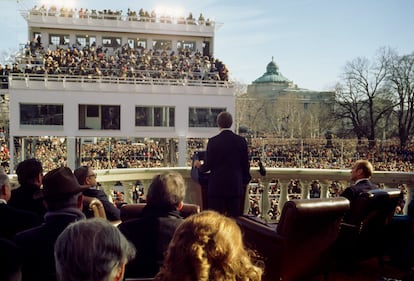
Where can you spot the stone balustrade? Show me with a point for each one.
(260, 190)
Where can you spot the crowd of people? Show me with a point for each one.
(131, 15)
(123, 62)
(281, 153)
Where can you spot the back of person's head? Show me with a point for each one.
(224, 120)
(28, 170)
(81, 174)
(93, 250)
(166, 190)
(11, 261)
(366, 167)
(208, 246)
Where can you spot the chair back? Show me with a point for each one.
(300, 245)
(95, 205)
(309, 228)
(363, 232)
(133, 211)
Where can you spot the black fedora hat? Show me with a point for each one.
(61, 182)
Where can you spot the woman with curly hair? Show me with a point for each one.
(208, 246)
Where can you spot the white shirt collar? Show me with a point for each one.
(363, 179)
(2, 201)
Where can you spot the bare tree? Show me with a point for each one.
(361, 96)
(401, 79)
(291, 115)
(250, 111)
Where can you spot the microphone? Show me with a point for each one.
(262, 169)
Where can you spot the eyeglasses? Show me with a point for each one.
(93, 175)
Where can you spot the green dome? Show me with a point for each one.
(272, 75)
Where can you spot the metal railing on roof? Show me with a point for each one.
(64, 78)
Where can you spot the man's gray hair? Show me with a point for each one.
(166, 190)
(91, 249)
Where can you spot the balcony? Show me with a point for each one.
(368, 270)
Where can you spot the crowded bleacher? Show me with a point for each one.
(120, 61)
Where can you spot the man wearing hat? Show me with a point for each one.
(62, 196)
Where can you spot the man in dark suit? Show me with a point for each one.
(30, 175)
(152, 232)
(63, 197)
(86, 176)
(228, 163)
(361, 174)
(13, 220)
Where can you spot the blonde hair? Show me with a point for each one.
(366, 167)
(208, 246)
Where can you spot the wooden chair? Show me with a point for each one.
(301, 244)
(133, 211)
(95, 205)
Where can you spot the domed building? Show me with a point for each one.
(273, 84)
(274, 105)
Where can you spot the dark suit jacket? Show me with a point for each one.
(13, 220)
(228, 162)
(37, 244)
(151, 235)
(112, 212)
(352, 192)
(25, 198)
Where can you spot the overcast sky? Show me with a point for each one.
(310, 40)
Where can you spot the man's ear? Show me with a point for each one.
(120, 272)
(180, 206)
(40, 179)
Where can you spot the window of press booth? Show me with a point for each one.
(113, 42)
(203, 116)
(190, 45)
(154, 116)
(59, 39)
(41, 114)
(85, 40)
(137, 43)
(162, 45)
(99, 117)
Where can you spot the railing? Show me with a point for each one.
(268, 199)
(63, 79)
(116, 15)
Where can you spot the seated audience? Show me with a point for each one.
(63, 198)
(152, 232)
(29, 175)
(11, 261)
(92, 250)
(86, 176)
(13, 220)
(208, 246)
